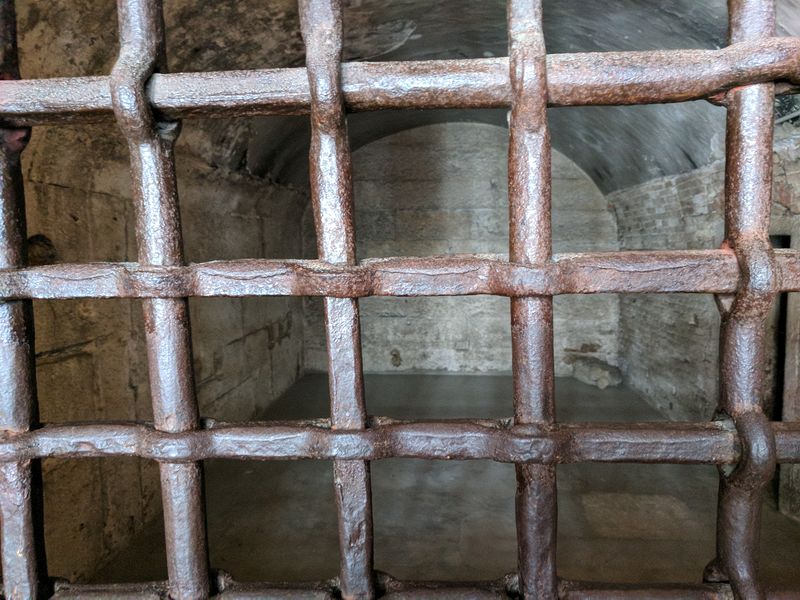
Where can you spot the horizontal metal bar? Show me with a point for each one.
(676, 443)
(400, 590)
(674, 271)
(572, 590)
(607, 78)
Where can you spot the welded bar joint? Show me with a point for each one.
(158, 235)
(332, 198)
(748, 202)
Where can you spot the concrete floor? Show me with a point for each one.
(434, 520)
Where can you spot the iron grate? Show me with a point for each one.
(745, 276)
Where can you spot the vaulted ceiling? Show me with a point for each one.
(616, 146)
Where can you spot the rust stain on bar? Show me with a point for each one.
(748, 201)
(530, 243)
(21, 525)
(601, 78)
(158, 237)
(745, 274)
(499, 440)
(671, 271)
(688, 271)
(332, 198)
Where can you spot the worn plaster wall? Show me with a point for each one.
(442, 189)
(91, 357)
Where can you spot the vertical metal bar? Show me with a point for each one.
(20, 482)
(332, 197)
(748, 194)
(158, 233)
(531, 318)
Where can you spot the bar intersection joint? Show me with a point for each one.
(158, 236)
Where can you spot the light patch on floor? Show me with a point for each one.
(639, 516)
(276, 520)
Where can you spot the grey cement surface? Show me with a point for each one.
(277, 521)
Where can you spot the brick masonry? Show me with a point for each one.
(442, 189)
(669, 344)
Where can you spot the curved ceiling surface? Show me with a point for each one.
(616, 146)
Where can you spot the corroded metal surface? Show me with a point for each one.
(745, 275)
(501, 441)
(332, 199)
(701, 271)
(748, 201)
(602, 78)
(530, 243)
(21, 539)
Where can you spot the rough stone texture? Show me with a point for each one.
(91, 354)
(442, 189)
(594, 371)
(91, 360)
(669, 344)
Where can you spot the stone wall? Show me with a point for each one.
(669, 343)
(442, 189)
(91, 357)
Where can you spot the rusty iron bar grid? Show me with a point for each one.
(744, 275)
